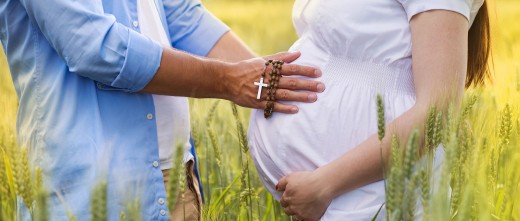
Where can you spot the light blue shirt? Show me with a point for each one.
(77, 67)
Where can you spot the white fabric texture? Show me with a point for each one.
(172, 114)
(364, 49)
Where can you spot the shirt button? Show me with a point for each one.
(163, 212)
(135, 24)
(161, 201)
(155, 164)
(99, 85)
(149, 116)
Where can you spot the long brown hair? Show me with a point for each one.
(479, 49)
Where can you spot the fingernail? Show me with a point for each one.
(318, 73)
(312, 97)
(320, 87)
(294, 110)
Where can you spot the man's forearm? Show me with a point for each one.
(230, 48)
(182, 74)
(192, 76)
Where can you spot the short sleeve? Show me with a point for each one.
(477, 4)
(414, 7)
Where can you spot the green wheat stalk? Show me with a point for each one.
(122, 216)
(469, 106)
(425, 193)
(42, 210)
(506, 126)
(175, 180)
(216, 147)
(211, 132)
(411, 197)
(380, 118)
(395, 188)
(242, 137)
(381, 135)
(410, 153)
(26, 177)
(98, 205)
(430, 129)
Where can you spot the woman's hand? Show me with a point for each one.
(241, 78)
(305, 195)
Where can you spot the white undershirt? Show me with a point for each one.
(171, 113)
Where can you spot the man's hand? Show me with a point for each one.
(305, 195)
(242, 90)
(185, 75)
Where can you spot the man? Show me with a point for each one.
(85, 75)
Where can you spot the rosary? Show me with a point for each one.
(274, 78)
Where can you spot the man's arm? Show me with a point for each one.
(195, 30)
(231, 48)
(182, 74)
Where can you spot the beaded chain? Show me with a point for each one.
(274, 76)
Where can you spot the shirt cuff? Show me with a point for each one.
(208, 31)
(414, 7)
(143, 58)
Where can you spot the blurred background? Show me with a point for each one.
(231, 187)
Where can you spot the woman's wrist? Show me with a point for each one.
(335, 182)
(328, 182)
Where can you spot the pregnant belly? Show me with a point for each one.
(343, 117)
(318, 134)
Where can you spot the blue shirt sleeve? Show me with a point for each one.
(94, 45)
(192, 28)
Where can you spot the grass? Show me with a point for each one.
(482, 145)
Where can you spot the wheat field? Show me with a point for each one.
(480, 179)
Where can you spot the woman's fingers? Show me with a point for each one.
(282, 183)
(288, 210)
(283, 202)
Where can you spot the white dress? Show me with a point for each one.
(364, 49)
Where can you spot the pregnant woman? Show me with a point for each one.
(324, 163)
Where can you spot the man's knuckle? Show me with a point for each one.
(293, 83)
(285, 94)
(293, 68)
